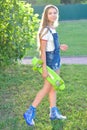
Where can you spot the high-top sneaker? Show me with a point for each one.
(55, 114)
(29, 115)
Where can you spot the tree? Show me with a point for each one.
(43, 2)
(73, 1)
(18, 28)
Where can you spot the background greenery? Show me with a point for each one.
(18, 25)
(18, 30)
(72, 33)
(44, 2)
(19, 84)
(18, 88)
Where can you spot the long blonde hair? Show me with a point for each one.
(45, 22)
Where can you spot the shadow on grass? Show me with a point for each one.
(57, 124)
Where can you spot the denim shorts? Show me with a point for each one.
(53, 60)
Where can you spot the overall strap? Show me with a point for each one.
(55, 38)
(49, 30)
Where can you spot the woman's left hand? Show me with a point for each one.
(63, 47)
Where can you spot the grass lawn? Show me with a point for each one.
(72, 33)
(18, 87)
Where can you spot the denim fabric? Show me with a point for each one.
(53, 60)
(56, 41)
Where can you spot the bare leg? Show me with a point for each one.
(52, 94)
(47, 88)
(52, 97)
(40, 95)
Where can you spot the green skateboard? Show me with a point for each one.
(56, 81)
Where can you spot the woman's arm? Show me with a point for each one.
(43, 57)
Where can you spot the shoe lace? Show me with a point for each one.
(31, 112)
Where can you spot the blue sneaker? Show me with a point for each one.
(55, 114)
(29, 116)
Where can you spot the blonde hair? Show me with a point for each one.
(45, 22)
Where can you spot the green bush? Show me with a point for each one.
(18, 28)
(43, 2)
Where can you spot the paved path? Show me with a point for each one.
(64, 60)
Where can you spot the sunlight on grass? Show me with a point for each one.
(18, 87)
(74, 33)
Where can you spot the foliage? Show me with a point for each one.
(43, 2)
(19, 86)
(73, 1)
(18, 25)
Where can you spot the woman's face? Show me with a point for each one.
(52, 15)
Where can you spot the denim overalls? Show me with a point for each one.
(53, 57)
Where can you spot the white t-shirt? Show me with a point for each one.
(49, 38)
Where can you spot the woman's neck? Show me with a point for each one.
(51, 25)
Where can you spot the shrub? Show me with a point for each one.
(18, 25)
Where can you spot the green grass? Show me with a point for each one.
(18, 87)
(72, 33)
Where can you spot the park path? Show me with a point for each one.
(64, 60)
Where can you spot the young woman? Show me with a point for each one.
(50, 54)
